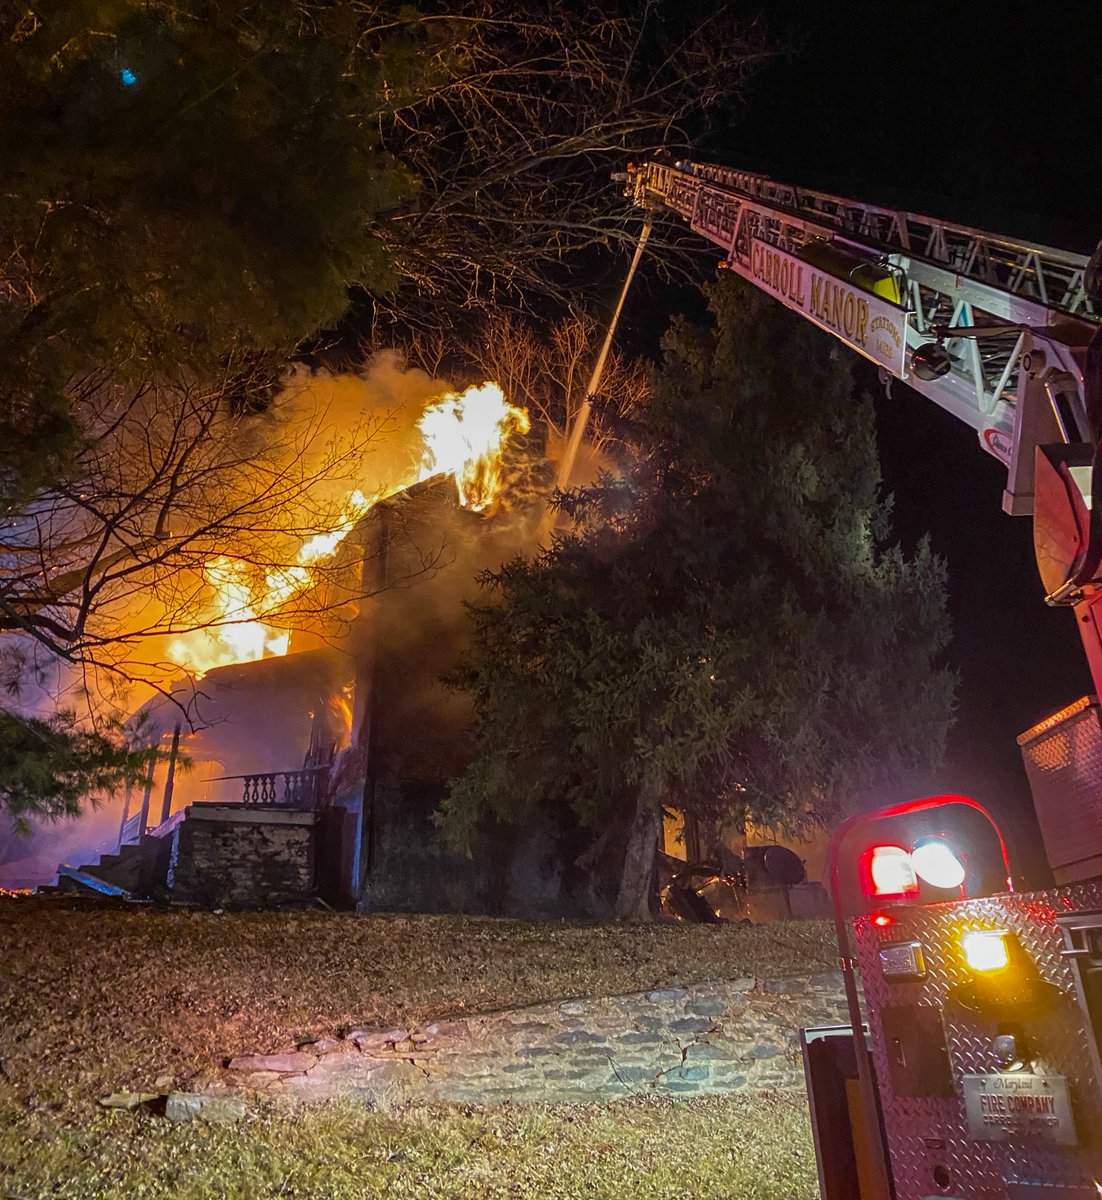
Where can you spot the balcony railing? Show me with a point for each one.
(283, 789)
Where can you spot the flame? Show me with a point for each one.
(236, 634)
(341, 707)
(462, 435)
(282, 585)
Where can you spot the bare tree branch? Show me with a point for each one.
(171, 480)
(513, 148)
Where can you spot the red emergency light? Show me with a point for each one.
(887, 872)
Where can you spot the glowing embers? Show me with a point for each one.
(888, 873)
(985, 950)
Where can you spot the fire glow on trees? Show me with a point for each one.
(462, 435)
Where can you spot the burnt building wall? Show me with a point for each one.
(526, 872)
(423, 555)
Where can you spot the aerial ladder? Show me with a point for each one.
(970, 1068)
(996, 331)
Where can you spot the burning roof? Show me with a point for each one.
(462, 435)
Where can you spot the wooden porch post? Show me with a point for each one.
(166, 799)
(143, 824)
(125, 812)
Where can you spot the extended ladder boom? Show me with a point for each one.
(888, 283)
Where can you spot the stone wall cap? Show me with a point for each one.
(722, 987)
(249, 814)
(667, 993)
(217, 1107)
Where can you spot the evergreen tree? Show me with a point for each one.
(49, 766)
(727, 627)
(181, 182)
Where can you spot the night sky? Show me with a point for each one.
(989, 115)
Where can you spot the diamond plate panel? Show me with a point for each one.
(1063, 760)
(924, 1133)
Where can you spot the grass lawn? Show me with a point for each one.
(739, 1148)
(96, 999)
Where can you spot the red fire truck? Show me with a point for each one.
(970, 1068)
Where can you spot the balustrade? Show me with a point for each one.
(284, 789)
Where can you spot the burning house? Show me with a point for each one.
(314, 767)
(317, 772)
(309, 766)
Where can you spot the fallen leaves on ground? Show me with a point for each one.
(99, 998)
(738, 1147)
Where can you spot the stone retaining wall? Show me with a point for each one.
(708, 1038)
(242, 856)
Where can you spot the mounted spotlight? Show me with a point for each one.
(937, 863)
(931, 361)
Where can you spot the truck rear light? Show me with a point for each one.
(985, 950)
(936, 862)
(1004, 983)
(888, 873)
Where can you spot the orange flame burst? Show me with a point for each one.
(462, 435)
(341, 708)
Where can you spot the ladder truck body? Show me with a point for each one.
(970, 1068)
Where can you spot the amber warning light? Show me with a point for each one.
(985, 950)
